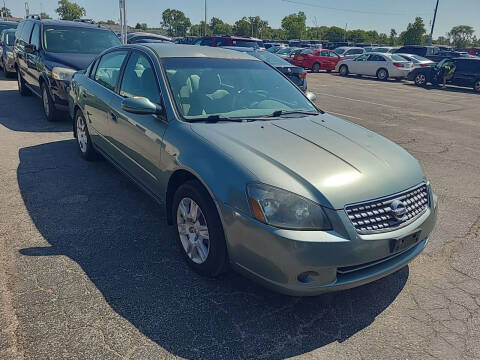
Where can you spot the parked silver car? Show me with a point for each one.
(349, 52)
(251, 173)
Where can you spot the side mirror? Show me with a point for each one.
(311, 96)
(141, 106)
(30, 48)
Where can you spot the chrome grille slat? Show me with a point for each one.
(374, 216)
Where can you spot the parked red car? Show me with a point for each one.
(316, 60)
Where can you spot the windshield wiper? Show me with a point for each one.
(279, 113)
(214, 119)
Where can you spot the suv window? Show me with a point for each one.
(26, 31)
(108, 69)
(139, 79)
(35, 40)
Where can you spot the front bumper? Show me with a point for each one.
(306, 263)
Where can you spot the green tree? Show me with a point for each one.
(214, 21)
(383, 39)
(242, 27)
(69, 10)
(294, 25)
(175, 22)
(334, 33)
(317, 32)
(223, 29)
(141, 26)
(108, 22)
(461, 36)
(44, 15)
(442, 40)
(5, 11)
(358, 36)
(415, 33)
(393, 37)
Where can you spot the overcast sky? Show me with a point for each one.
(378, 15)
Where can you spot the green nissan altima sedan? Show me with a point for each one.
(252, 174)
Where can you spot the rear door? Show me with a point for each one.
(138, 139)
(375, 62)
(98, 94)
(465, 74)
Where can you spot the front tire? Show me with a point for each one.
(22, 88)
(420, 80)
(343, 71)
(83, 138)
(199, 229)
(51, 113)
(476, 86)
(382, 74)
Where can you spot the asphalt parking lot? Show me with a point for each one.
(90, 270)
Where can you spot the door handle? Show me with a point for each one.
(114, 117)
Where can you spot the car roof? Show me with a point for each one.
(230, 37)
(194, 51)
(141, 33)
(68, 23)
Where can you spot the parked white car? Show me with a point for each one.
(349, 52)
(417, 60)
(383, 66)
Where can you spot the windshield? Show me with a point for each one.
(269, 58)
(10, 38)
(202, 87)
(78, 40)
(244, 43)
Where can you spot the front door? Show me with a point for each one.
(33, 60)
(138, 139)
(359, 65)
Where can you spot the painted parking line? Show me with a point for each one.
(358, 100)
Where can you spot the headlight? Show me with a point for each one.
(283, 209)
(64, 74)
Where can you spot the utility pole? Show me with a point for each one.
(205, 25)
(27, 10)
(123, 20)
(430, 39)
(345, 34)
(3, 10)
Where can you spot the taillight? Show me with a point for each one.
(399, 65)
(302, 75)
(424, 65)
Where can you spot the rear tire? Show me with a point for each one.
(343, 71)
(22, 88)
(204, 248)
(316, 68)
(51, 113)
(476, 86)
(382, 74)
(420, 80)
(83, 138)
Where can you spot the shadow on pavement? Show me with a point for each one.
(448, 88)
(26, 114)
(118, 235)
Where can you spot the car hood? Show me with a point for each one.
(324, 158)
(73, 61)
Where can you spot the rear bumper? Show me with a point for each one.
(307, 263)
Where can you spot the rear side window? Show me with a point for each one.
(220, 42)
(139, 79)
(377, 58)
(324, 53)
(109, 67)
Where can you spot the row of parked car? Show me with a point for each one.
(252, 174)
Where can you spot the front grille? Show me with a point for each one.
(389, 213)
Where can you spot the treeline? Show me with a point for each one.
(294, 26)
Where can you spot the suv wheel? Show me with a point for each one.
(199, 229)
(48, 106)
(476, 87)
(382, 74)
(420, 80)
(24, 91)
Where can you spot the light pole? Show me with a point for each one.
(430, 39)
(123, 20)
(205, 25)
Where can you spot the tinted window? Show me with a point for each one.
(362, 57)
(78, 40)
(35, 40)
(203, 87)
(7, 26)
(18, 33)
(324, 53)
(376, 58)
(468, 66)
(26, 31)
(139, 79)
(108, 69)
(220, 42)
(9, 38)
(205, 42)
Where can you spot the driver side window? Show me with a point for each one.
(362, 58)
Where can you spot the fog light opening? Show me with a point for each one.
(307, 277)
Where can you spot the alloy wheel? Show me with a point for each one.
(420, 79)
(477, 86)
(82, 134)
(193, 230)
(382, 74)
